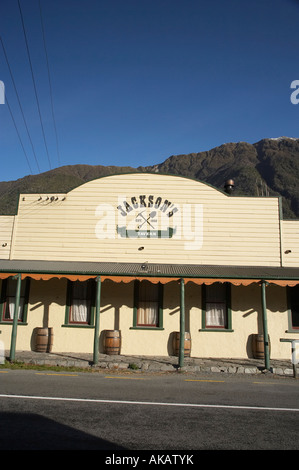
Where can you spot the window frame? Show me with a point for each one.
(68, 306)
(3, 302)
(159, 326)
(228, 313)
(291, 328)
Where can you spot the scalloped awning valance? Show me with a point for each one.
(163, 273)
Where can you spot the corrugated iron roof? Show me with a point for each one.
(149, 269)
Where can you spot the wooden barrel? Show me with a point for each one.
(258, 350)
(44, 339)
(176, 344)
(112, 342)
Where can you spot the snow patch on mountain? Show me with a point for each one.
(283, 138)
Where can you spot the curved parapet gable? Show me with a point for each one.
(145, 217)
(125, 178)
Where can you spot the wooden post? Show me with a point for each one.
(97, 322)
(265, 326)
(15, 319)
(182, 324)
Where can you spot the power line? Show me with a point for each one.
(13, 81)
(50, 86)
(34, 85)
(13, 120)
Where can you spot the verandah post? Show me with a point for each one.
(265, 326)
(97, 321)
(182, 324)
(15, 319)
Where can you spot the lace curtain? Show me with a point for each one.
(11, 299)
(10, 309)
(79, 311)
(216, 305)
(215, 314)
(80, 307)
(148, 305)
(148, 313)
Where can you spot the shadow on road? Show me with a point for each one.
(22, 431)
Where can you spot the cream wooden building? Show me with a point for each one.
(152, 257)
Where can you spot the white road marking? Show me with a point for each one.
(149, 403)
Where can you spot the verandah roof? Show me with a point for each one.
(155, 272)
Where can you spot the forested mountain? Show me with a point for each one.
(269, 167)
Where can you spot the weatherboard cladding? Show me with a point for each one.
(149, 269)
(226, 231)
(211, 227)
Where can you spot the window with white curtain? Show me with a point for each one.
(80, 302)
(9, 297)
(293, 301)
(216, 306)
(148, 304)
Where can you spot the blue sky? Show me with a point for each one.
(136, 81)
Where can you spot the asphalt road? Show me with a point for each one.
(155, 412)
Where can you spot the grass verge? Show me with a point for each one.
(42, 367)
